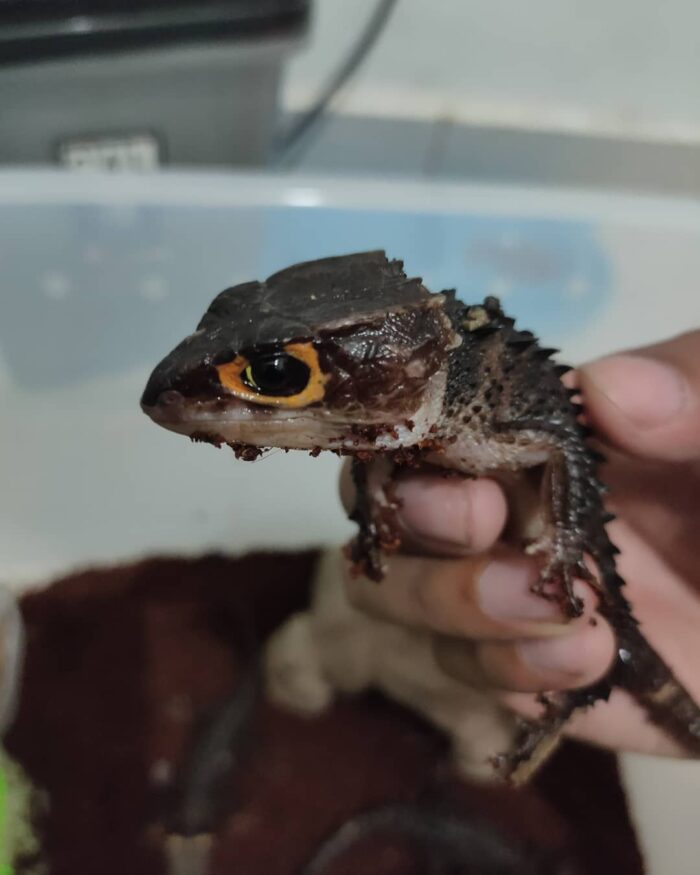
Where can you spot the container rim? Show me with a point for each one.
(245, 189)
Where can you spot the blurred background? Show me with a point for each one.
(553, 92)
(152, 153)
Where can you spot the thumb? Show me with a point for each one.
(647, 401)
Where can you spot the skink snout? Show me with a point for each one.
(165, 407)
(170, 398)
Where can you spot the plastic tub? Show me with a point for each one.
(101, 275)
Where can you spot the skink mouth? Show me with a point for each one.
(172, 409)
(230, 420)
(226, 419)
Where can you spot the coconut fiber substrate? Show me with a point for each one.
(126, 668)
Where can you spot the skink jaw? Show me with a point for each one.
(221, 417)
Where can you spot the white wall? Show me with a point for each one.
(622, 67)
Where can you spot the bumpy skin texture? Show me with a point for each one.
(517, 396)
(416, 379)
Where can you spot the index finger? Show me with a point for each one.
(647, 402)
(442, 516)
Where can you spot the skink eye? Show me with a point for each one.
(288, 377)
(276, 375)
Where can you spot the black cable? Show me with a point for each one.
(455, 842)
(285, 150)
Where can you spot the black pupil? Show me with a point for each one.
(278, 374)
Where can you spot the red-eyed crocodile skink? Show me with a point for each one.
(348, 354)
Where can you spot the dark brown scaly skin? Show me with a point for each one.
(527, 395)
(388, 349)
(515, 388)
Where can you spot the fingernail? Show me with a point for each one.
(504, 592)
(553, 655)
(646, 391)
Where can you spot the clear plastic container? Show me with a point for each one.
(101, 275)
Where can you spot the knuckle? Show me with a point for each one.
(424, 595)
(357, 592)
(439, 597)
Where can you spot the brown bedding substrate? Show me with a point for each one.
(123, 662)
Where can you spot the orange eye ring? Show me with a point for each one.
(236, 376)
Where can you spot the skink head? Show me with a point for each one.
(318, 349)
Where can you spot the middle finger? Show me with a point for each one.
(485, 597)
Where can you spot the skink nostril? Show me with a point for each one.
(170, 398)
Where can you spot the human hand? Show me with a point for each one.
(473, 592)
